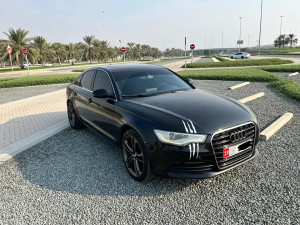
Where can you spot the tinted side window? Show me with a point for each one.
(86, 80)
(77, 82)
(102, 81)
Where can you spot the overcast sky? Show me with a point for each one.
(159, 23)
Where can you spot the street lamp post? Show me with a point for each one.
(261, 7)
(222, 41)
(240, 34)
(280, 24)
(184, 53)
(205, 42)
(280, 30)
(248, 40)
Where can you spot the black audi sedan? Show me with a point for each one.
(162, 123)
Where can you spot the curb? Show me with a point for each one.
(293, 74)
(252, 97)
(17, 147)
(239, 85)
(274, 127)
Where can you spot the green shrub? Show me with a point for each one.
(245, 74)
(78, 70)
(37, 80)
(235, 63)
(289, 88)
(283, 69)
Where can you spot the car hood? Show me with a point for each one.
(204, 111)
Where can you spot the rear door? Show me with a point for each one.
(82, 94)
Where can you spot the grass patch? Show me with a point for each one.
(37, 80)
(247, 74)
(283, 69)
(229, 63)
(46, 67)
(8, 69)
(78, 70)
(288, 88)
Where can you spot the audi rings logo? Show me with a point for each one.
(238, 135)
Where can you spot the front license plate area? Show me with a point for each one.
(230, 151)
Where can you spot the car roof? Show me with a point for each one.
(127, 67)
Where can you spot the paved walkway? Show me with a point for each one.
(26, 122)
(176, 66)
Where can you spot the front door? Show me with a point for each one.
(102, 110)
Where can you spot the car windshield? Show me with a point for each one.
(146, 82)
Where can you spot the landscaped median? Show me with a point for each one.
(238, 63)
(289, 88)
(282, 69)
(37, 80)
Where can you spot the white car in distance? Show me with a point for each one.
(240, 55)
(47, 64)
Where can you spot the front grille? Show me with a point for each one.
(225, 139)
(191, 167)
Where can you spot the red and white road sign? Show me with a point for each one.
(9, 49)
(192, 46)
(25, 51)
(123, 49)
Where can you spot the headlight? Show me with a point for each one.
(180, 139)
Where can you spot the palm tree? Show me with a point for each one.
(18, 39)
(101, 50)
(129, 52)
(70, 48)
(80, 51)
(4, 56)
(42, 46)
(137, 51)
(292, 39)
(89, 40)
(58, 50)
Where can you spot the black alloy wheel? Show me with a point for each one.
(135, 156)
(74, 121)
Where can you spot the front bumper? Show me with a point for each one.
(176, 161)
(206, 174)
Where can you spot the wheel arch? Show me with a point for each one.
(127, 127)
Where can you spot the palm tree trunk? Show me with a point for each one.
(21, 60)
(59, 60)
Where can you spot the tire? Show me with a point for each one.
(74, 121)
(242, 57)
(135, 156)
(231, 57)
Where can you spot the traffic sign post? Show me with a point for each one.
(192, 47)
(25, 52)
(123, 49)
(9, 51)
(184, 53)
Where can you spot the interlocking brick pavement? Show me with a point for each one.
(20, 119)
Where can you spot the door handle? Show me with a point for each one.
(90, 100)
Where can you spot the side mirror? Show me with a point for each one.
(189, 80)
(101, 93)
